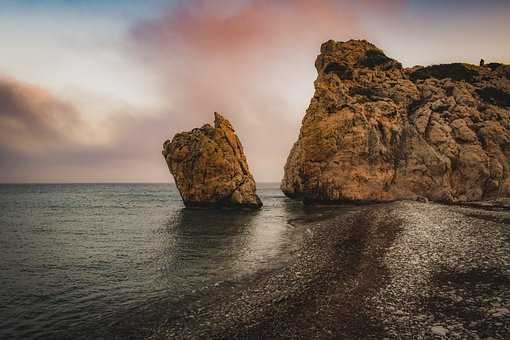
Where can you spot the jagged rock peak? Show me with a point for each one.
(354, 53)
(210, 168)
(221, 123)
(377, 132)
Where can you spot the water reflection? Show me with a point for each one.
(202, 244)
(209, 246)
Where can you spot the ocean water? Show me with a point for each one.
(76, 257)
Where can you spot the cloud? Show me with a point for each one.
(33, 121)
(43, 138)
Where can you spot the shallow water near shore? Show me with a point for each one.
(77, 257)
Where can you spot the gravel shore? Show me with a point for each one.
(403, 270)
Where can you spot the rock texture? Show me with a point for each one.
(377, 132)
(209, 167)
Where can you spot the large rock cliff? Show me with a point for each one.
(377, 132)
(209, 167)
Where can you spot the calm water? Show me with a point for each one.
(76, 257)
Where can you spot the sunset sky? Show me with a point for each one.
(90, 89)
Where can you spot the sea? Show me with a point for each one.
(77, 258)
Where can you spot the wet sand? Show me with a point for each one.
(399, 270)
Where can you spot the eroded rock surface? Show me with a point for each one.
(377, 132)
(210, 168)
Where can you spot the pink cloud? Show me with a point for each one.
(254, 62)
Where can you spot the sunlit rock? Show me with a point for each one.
(375, 131)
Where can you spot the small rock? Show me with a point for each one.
(500, 312)
(439, 330)
(421, 317)
(422, 199)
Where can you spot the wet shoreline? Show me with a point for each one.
(350, 278)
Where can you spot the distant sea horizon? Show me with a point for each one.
(110, 182)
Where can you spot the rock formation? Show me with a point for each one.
(209, 167)
(377, 132)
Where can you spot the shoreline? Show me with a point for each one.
(341, 283)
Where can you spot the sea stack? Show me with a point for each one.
(210, 168)
(375, 131)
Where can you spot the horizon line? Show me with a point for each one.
(71, 183)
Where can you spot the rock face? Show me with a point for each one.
(209, 167)
(377, 132)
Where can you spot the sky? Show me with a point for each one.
(90, 89)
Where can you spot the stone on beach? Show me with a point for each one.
(210, 168)
(497, 312)
(439, 330)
